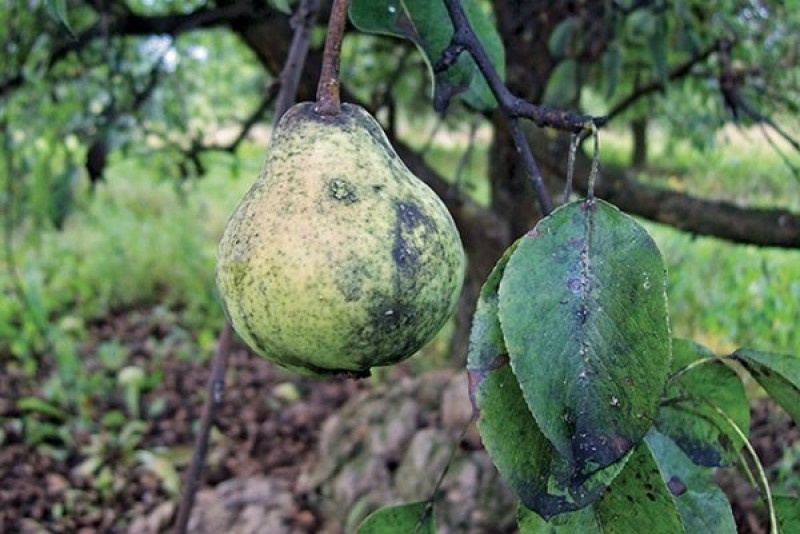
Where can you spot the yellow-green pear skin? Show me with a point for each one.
(338, 259)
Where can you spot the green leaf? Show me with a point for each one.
(163, 468)
(526, 460)
(562, 39)
(637, 498)
(788, 510)
(583, 311)
(412, 517)
(642, 23)
(702, 505)
(778, 374)
(686, 414)
(284, 6)
(612, 65)
(581, 521)
(562, 87)
(486, 339)
(37, 60)
(58, 10)
(428, 25)
(38, 405)
(658, 50)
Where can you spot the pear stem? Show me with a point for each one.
(328, 102)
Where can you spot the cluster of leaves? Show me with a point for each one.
(596, 419)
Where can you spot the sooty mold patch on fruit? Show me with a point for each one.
(341, 190)
(392, 330)
(350, 281)
(407, 248)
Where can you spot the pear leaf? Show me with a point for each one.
(788, 510)
(583, 310)
(778, 374)
(636, 498)
(688, 413)
(413, 517)
(527, 461)
(702, 505)
(428, 25)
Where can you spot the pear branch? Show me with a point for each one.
(328, 102)
(464, 39)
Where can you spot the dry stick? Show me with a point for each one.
(328, 89)
(303, 21)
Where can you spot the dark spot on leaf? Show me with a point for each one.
(699, 452)
(593, 451)
(577, 243)
(581, 314)
(574, 285)
(651, 496)
(676, 486)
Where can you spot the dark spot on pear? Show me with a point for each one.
(341, 190)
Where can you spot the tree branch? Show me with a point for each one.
(680, 71)
(464, 39)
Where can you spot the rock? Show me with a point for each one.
(388, 446)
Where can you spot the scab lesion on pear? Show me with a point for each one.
(341, 190)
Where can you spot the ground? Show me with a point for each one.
(269, 430)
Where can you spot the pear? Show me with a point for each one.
(338, 259)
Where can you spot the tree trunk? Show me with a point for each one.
(639, 133)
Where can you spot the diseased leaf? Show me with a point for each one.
(637, 501)
(584, 317)
(428, 25)
(788, 510)
(778, 374)
(531, 467)
(702, 505)
(526, 460)
(581, 521)
(412, 517)
(686, 414)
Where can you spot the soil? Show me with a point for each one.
(269, 425)
(262, 428)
